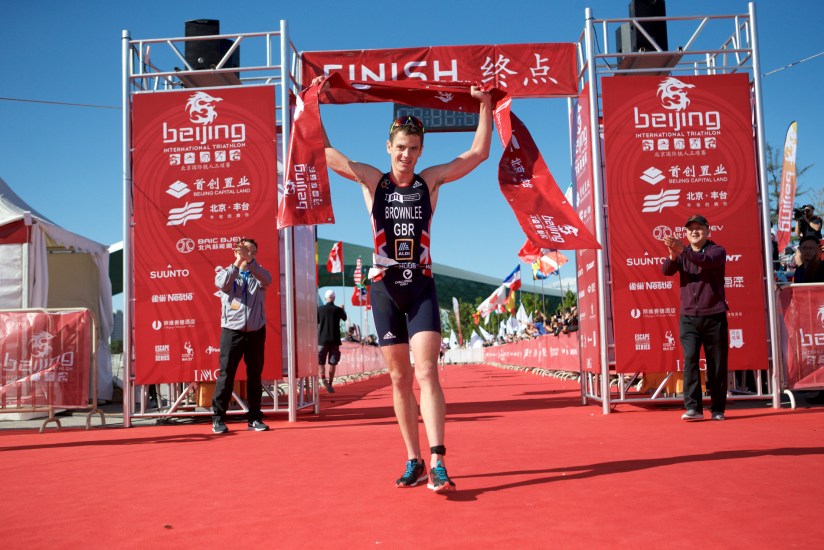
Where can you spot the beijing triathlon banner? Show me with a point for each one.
(803, 309)
(46, 359)
(677, 147)
(520, 70)
(205, 174)
(586, 260)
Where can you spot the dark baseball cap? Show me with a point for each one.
(698, 219)
(806, 206)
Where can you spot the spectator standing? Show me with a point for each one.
(701, 268)
(810, 268)
(808, 223)
(242, 287)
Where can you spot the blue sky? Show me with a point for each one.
(66, 161)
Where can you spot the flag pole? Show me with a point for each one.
(543, 304)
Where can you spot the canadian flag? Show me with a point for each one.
(335, 262)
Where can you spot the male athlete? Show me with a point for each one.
(405, 307)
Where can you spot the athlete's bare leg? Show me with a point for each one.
(425, 348)
(403, 399)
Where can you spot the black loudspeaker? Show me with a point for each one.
(656, 29)
(206, 54)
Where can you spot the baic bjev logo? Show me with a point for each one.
(202, 113)
(676, 117)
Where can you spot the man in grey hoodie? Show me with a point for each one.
(242, 288)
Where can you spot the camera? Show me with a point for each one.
(798, 213)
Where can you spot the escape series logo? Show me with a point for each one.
(674, 97)
(202, 111)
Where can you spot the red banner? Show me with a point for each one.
(46, 359)
(542, 210)
(530, 190)
(677, 147)
(547, 352)
(786, 198)
(521, 70)
(307, 199)
(586, 260)
(204, 176)
(803, 309)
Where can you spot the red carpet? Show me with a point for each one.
(534, 470)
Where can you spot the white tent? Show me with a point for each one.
(43, 265)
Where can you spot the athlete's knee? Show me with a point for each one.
(401, 375)
(427, 374)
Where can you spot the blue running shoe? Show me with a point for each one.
(439, 480)
(414, 474)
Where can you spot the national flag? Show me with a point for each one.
(475, 341)
(537, 274)
(358, 271)
(497, 298)
(523, 318)
(485, 334)
(335, 262)
(360, 296)
(786, 198)
(510, 302)
(547, 264)
(513, 280)
(476, 318)
(453, 340)
(529, 252)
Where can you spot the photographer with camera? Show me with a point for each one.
(806, 222)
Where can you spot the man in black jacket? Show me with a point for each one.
(700, 267)
(329, 318)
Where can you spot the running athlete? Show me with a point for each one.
(405, 307)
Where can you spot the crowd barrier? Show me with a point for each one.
(463, 356)
(547, 352)
(358, 359)
(802, 308)
(48, 362)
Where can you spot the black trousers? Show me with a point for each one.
(712, 333)
(234, 346)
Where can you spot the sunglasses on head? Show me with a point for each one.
(407, 120)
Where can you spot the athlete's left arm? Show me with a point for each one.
(469, 160)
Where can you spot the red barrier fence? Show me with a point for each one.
(46, 359)
(803, 310)
(547, 352)
(357, 359)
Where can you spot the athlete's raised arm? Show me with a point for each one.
(469, 160)
(364, 174)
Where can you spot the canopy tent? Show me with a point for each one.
(43, 265)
